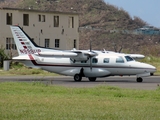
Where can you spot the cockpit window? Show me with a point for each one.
(119, 60)
(128, 58)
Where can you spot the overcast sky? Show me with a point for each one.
(147, 10)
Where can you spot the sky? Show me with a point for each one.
(147, 10)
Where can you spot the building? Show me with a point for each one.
(148, 30)
(50, 29)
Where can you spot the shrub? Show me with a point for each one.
(3, 56)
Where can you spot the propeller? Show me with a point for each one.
(90, 63)
(90, 57)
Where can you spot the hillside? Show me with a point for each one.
(97, 20)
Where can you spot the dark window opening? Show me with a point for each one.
(9, 18)
(10, 44)
(71, 22)
(26, 19)
(43, 18)
(46, 44)
(75, 44)
(56, 21)
(57, 43)
(39, 18)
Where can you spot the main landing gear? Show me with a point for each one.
(78, 78)
(139, 79)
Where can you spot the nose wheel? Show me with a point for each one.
(139, 79)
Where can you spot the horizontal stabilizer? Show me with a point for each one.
(21, 58)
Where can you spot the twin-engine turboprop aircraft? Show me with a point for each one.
(78, 63)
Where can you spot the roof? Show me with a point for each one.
(44, 11)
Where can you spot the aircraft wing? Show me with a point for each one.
(58, 54)
(75, 55)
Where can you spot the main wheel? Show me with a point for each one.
(77, 77)
(139, 79)
(92, 78)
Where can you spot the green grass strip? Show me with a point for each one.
(37, 101)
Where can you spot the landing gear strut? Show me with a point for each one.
(139, 79)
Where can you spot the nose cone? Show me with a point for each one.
(153, 69)
(149, 68)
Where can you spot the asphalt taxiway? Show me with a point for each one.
(148, 83)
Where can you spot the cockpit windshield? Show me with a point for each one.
(128, 58)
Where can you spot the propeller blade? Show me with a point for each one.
(90, 45)
(90, 63)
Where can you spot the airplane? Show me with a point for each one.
(78, 63)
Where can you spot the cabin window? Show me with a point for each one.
(9, 18)
(71, 22)
(128, 58)
(10, 44)
(94, 60)
(57, 43)
(106, 60)
(56, 21)
(119, 60)
(46, 43)
(26, 19)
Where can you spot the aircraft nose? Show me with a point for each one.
(150, 68)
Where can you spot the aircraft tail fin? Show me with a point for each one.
(24, 44)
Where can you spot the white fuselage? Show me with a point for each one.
(102, 65)
(78, 63)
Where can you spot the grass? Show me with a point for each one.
(37, 101)
(20, 69)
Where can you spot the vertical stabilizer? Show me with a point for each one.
(23, 42)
